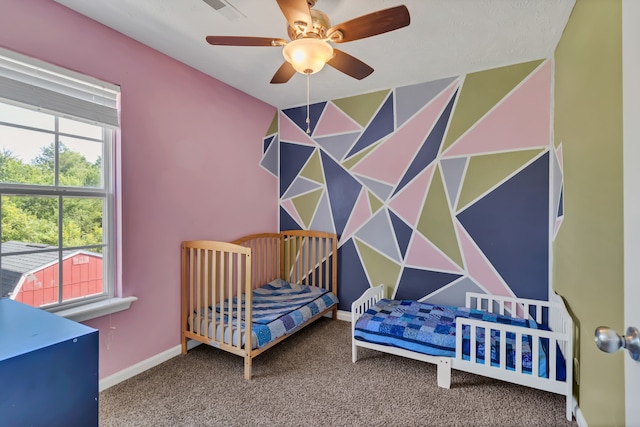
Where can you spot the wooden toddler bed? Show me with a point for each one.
(246, 296)
(497, 337)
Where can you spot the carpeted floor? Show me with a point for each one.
(309, 380)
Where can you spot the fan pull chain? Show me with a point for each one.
(308, 121)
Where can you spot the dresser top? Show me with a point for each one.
(24, 328)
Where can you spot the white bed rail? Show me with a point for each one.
(508, 306)
(553, 313)
(359, 307)
(544, 382)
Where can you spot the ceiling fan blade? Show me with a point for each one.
(371, 24)
(244, 41)
(296, 11)
(349, 65)
(284, 73)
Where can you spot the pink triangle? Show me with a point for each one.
(359, 215)
(290, 132)
(334, 121)
(423, 254)
(288, 206)
(557, 226)
(521, 120)
(403, 144)
(478, 267)
(407, 204)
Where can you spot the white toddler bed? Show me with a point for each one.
(524, 334)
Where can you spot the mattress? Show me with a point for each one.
(431, 329)
(278, 308)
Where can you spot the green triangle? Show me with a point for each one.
(380, 269)
(374, 202)
(435, 221)
(273, 127)
(313, 169)
(306, 205)
(480, 92)
(361, 108)
(485, 171)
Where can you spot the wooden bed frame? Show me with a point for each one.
(214, 273)
(560, 323)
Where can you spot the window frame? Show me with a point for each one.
(33, 84)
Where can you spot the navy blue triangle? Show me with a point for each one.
(381, 126)
(292, 158)
(352, 273)
(266, 143)
(343, 190)
(299, 115)
(286, 222)
(510, 225)
(561, 204)
(430, 147)
(403, 232)
(416, 284)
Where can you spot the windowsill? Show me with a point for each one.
(97, 309)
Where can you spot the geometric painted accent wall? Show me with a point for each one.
(434, 189)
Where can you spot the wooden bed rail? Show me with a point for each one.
(309, 259)
(265, 248)
(297, 256)
(215, 277)
(218, 279)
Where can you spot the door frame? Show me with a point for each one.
(631, 194)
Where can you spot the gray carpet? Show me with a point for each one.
(309, 380)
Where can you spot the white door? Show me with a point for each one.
(631, 165)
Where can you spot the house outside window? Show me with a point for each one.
(57, 210)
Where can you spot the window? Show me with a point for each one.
(57, 216)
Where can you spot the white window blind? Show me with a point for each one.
(30, 82)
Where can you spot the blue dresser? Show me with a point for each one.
(48, 369)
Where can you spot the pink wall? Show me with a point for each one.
(182, 131)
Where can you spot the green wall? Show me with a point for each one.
(587, 262)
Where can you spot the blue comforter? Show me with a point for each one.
(278, 308)
(431, 329)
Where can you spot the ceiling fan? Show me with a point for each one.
(312, 35)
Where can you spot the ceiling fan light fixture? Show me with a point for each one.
(307, 55)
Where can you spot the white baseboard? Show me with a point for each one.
(344, 315)
(577, 413)
(139, 367)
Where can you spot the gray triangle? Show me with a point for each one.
(452, 169)
(378, 233)
(338, 145)
(411, 99)
(454, 293)
(380, 189)
(270, 158)
(300, 186)
(322, 219)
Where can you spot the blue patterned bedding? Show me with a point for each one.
(278, 308)
(431, 329)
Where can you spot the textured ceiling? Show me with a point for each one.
(445, 38)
